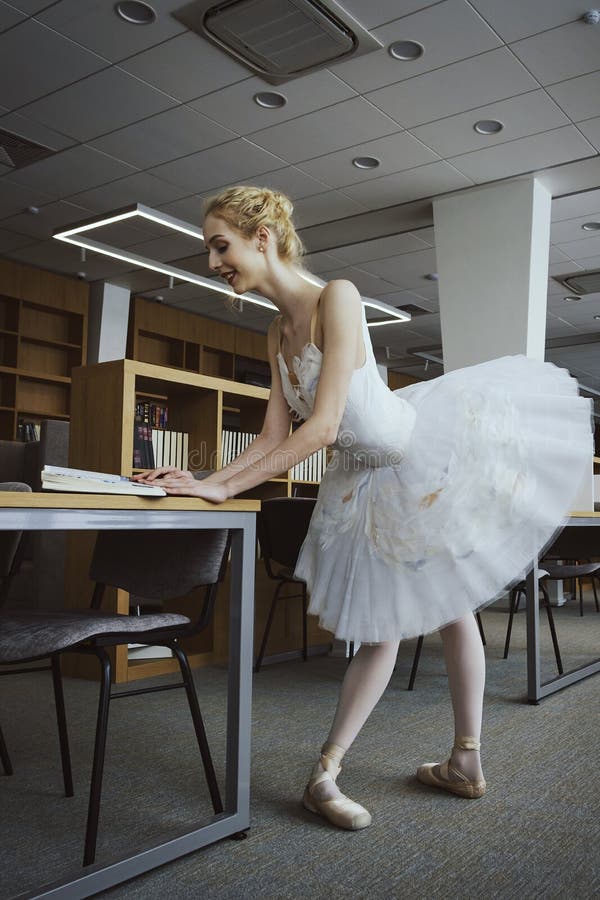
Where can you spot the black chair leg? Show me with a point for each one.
(91, 833)
(415, 665)
(209, 771)
(595, 592)
(514, 605)
(61, 719)
(350, 651)
(304, 624)
(4, 757)
(559, 664)
(480, 626)
(265, 636)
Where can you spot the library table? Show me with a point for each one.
(587, 525)
(64, 512)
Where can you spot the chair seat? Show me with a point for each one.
(560, 571)
(25, 636)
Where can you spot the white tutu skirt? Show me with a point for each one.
(492, 469)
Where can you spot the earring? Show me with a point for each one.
(261, 248)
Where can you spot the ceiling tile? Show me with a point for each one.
(100, 103)
(400, 299)
(34, 131)
(524, 155)
(523, 115)
(571, 230)
(571, 178)
(9, 16)
(169, 248)
(579, 97)
(590, 262)
(10, 240)
(464, 85)
(366, 251)
(425, 181)
(50, 216)
(396, 153)
(557, 256)
(290, 181)
(579, 250)
(347, 123)
(561, 53)
(58, 62)
(514, 19)
(203, 172)
(591, 129)
(14, 198)
(186, 67)
(408, 271)
(141, 187)
(96, 26)
(233, 106)
(556, 327)
(72, 170)
(370, 14)
(30, 6)
(449, 31)
(368, 284)
(189, 209)
(325, 207)
(321, 262)
(160, 138)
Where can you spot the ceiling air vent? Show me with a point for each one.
(581, 282)
(17, 152)
(414, 310)
(279, 39)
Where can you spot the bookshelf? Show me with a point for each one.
(43, 336)
(102, 428)
(166, 336)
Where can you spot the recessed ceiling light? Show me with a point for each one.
(597, 317)
(365, 162)
(571, 299)
(407, 51)
(591, 226)
(270, 100)
(432, 276)
(488, 126)
(135, 12)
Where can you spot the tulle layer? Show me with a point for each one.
(491, 471)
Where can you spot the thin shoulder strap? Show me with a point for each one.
(278, 320)
(313, 321)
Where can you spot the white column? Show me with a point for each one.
(492, 247)
(108, 321)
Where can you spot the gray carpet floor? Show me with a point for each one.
(536, 833)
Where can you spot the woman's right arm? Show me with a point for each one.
(275, 429)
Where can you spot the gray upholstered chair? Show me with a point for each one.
(157, 565)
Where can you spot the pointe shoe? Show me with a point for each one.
(448, 778)
(340, 811)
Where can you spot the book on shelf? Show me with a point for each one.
(59, 478)
(233, 443)
(311, 468)
(170, 448)
(28, 431)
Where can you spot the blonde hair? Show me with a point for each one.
(247, 208)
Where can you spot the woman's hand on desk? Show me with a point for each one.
(178, 482)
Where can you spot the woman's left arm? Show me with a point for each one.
(340, 313)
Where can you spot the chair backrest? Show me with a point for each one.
(159, 565)
(575, 542)
(282, 525)
(10, 542)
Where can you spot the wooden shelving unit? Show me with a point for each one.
(43, 336)
(165, 336)
(102, 424)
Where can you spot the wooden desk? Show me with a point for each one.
(588, 532)
(63, 512)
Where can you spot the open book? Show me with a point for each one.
(57, 478)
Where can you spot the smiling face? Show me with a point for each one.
(232, 255)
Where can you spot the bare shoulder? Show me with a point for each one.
(273, 335)
(340, 298)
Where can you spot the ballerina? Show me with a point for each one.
(436, 498)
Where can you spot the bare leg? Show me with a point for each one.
(465, 663)
(366, 678)
(364, 682)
